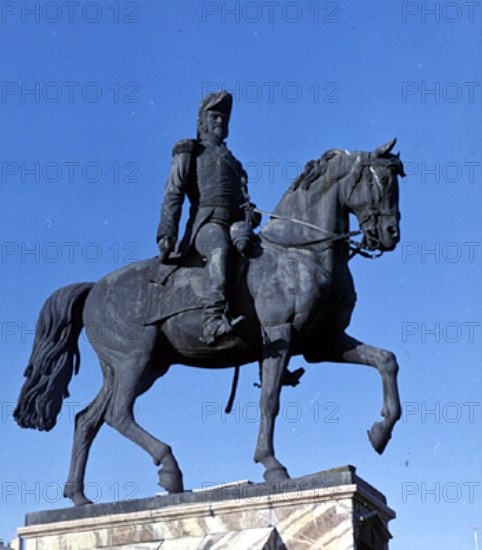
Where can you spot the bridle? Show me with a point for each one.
(355, 246)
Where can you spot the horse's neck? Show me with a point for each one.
(318, 207)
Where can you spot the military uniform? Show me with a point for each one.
(214, 182)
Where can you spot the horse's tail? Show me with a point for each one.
(55, 357)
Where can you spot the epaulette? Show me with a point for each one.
(185, 146)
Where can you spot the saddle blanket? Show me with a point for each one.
(173, 289)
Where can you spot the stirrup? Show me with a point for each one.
(218, 326)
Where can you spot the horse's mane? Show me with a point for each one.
(315, 169)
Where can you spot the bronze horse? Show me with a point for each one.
(295, 291)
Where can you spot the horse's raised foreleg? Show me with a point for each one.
(129, 384)
(276, 347)
(87, 424)
(349, 350)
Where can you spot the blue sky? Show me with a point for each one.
(92, 101)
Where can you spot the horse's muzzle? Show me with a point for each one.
(388, 232)
(383, 235)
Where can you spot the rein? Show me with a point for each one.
(355, 247)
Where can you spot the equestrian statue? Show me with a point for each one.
(224, 296)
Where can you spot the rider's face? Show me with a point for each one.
(216, 124)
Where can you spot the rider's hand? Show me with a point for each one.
(166, 246)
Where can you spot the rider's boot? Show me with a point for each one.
(217, 324)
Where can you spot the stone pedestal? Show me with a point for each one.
(332, 510)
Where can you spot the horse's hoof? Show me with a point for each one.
(76, 494)
(81, 500)
(171, 480)
(379, 437)
(279, 473)
(78, 498)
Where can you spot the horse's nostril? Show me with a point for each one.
(392, 230)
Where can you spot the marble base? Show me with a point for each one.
(334, 509)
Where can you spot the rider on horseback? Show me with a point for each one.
(215, 182)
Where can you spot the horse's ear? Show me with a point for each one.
(383, 150)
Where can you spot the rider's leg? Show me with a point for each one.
(213, 243)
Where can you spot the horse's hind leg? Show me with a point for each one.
(349, 350)
(128, 385)
(87, 424)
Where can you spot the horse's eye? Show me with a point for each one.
(384, 179)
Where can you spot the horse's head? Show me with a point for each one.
(364, 184)
(371, 193)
